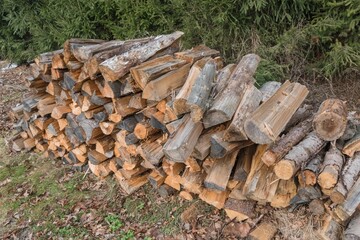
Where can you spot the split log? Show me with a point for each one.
(284, 145)
(163, 86)
(331, 169)
(200, 91)
(285, 191)
(180, 145)
(227, 101)
(240, 209)
(173, 126)
(101, 170)
(96, 158)
(71, 44)
(346, 209)
(144, 130)
(265, 231)
(352, 146)
(107, 127)
(219, 174)
(249, 102)
(222, 79)
(153, 69)
(220, 148)
(180, 102)
(330, 229)
(192, 181)
(152, 150)
(299, 155)
(196, 53)
(243, 164)
(303, 113)
(133, 184)
(203, 145)
(121, 106)
(114, 68)
(331, 119)
(214, 197)
(157, 121)
(269, 89)
(269, 120)
(60, 111)
(309, 173)
(352, 231)
(347, 179)
(137, 102)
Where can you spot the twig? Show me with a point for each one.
(87, 171)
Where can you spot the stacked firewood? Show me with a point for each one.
(182, 121)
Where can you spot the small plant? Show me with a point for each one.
(128, 235)
(114, 222)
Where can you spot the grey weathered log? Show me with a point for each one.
(199, 96)
(180, 145)
(226, 103)
(352, 231)
(114, 68)
(249, 102)
(222, 79)
(220, 148)
(345, 210)
(269, 89)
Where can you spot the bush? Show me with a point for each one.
(295, 37)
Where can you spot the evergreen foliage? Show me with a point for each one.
(294, 37)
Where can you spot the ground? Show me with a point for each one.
(43, 199)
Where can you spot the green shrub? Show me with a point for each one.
(294, 37)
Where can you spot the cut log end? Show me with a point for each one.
(285, 169)
(330, 127)
(269, 158)
(328, 179)
(337, 197)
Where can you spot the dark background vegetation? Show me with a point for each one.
(296, 38)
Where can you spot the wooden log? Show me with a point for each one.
(71, 44)
(347, 178)
(346, 209)
(222, 79)
(192, 181)
(265, 231)
(200, 91)
(180, 105)
(285, 191)
(303, 113)
(299, 155)
(219, 174)
(163, 86)
(214, 197)
(114, 68)
(240, 209)
(227, 101)
(121, 106)
(331, 169)
(196, 53)
(91, 129)
(101, 170)
(243, 164)
(269, 89)
(249, 102)
(107, 127)
(84, 53)
(203, 145)
(137, 102)
(352, 146)
(352, 231)
(152, 150)
(173, 126)
(105, 146)
(220, 148)
(180, 145)
(57, 61)
(269, 120)
(157, 121)
(144, 130)
(169, 114)
(96, 158)
(153, 69)
(310, 172)
(60, 111)
(330, 229)
(278, 150)
(331, 119)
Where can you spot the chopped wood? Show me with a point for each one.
(114, 68)
(239, 209)
(299, 155)
(352, 146)
(163, 86)
(214, 197)
(278, 150)
(269, 120)
(309, 173)
(222, 79)
(331, 169)
(265, 231)
(346, 209)
(196, 53)
(186, 195)
(180, 145)
(269, 89)
(352, 231)
(330, 120)
(249, 102)
(330, 229)
(226, 103)
(219, 174)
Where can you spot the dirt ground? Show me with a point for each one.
(42, 199)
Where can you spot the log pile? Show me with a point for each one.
(145, 111)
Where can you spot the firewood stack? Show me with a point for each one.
(145, 111)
